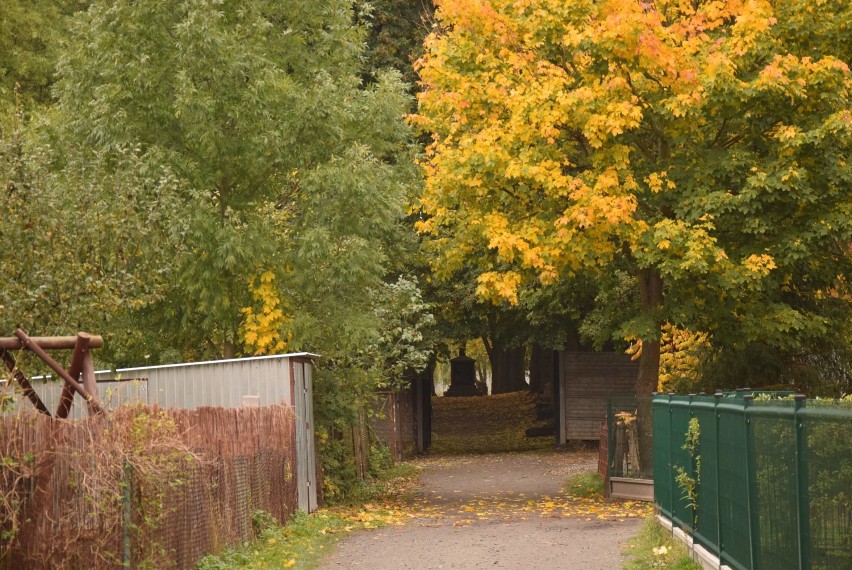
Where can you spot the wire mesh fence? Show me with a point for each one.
(760, 480)
(629, 437)
(141, 487)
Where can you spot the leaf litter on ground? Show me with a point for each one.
(497, 425)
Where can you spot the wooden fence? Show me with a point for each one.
(141, 487)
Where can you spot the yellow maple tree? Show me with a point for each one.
(700, 144)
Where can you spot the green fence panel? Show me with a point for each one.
(828, 469)
(734, 530)
(682, 513)
(663, 478)
(774, 487)
(774, 479)
(707, 513)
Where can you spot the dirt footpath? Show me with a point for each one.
(498, 511)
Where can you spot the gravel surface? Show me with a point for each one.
(470, 518)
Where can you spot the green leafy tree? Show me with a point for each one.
(285, 161)
(30, 35)
(72, 258)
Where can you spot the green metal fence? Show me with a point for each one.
(768, 483)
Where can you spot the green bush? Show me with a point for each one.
(587, 485)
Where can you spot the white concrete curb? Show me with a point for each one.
(698, 553)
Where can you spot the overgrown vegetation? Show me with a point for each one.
(655, 549)
(120, 482)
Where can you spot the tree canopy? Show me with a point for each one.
(702, 145)
(258, 111)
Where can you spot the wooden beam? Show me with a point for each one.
(49, 342)
(89, 382)
(23, 382)
(31, 345)
(81, 348)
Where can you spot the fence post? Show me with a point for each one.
(802, 491)
(671, 467)
(717, 397)
(751, 499)
(694, 506)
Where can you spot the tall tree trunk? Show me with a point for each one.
(651, 292)
(507, 369)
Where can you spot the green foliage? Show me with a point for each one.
(817, 371)
(80, 253)
(654, 548)
(341, 481)
(380, 458)
(396, 32)
(31, 32)
(586, 485)
(262, 522)
(258, 111)
(688, 481)
(405, 322)
(303, 541)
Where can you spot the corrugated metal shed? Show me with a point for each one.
(226, 383)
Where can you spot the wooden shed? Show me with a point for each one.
(586, 381)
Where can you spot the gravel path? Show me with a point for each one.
(486, 512)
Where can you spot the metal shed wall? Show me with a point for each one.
(215, 383)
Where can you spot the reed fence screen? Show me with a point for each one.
(141, 486)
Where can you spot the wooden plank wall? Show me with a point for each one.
(586, 380)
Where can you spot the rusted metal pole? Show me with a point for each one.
(29, 344)
(49, 342)
(24, 382)
(81, 348)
